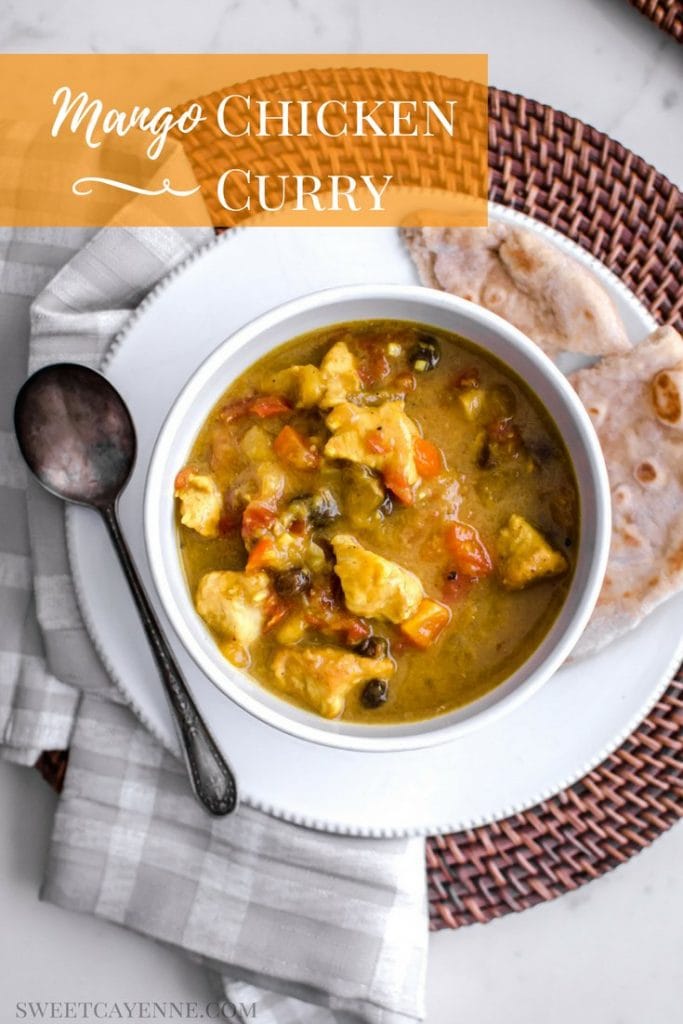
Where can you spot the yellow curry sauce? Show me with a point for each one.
(379, 521)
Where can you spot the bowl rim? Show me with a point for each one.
(425, 732)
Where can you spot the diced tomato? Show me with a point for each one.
(320, 608)
(405, 381)
(504, 433)
(374, 366)
(298, 527)
(276, 609)
(295, 450)
(427, 458)
(314, 621)
(325, 614)
(259, 554)
(183, 477)
(258, 405)
(396, 481)
(256, 517)
(270, 405)
(325, 601)
(357, 631)
(468, 554)
(425, 626)
(376, 443)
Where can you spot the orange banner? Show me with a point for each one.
(297, 139)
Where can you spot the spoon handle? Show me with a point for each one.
(212, 779)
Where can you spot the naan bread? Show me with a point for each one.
(526, 280)
(636, 404)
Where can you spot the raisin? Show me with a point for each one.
(372, 647)
(292, 582)
(425, 355)
(374, 693)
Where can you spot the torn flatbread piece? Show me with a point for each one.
(635, 403)
(526, 280)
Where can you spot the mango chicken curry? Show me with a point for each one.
(379, 521)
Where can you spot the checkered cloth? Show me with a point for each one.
(310, 927)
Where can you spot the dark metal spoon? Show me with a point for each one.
(78, 439)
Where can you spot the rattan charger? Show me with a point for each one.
(666, 14)
(576, 179)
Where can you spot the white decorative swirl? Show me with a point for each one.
(166, 189)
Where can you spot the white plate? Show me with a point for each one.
(568, 727)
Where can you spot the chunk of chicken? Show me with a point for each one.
(339, 374)
(201, 502)
(324, 676)
(302, 385)
(233, 604)
(382, 438)
(265, 482)
(525, 556)
(327, 386)
(373, 586)
(272, 482)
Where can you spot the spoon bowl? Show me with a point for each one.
(78, 439)
(76, 434)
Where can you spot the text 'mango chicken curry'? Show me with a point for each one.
(379, 521)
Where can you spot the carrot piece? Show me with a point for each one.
(259, 554)
(395, 480)
(295, 450)
(427, 458)
(270, 405)
(468, 552)
(258, 405)
(424, 627)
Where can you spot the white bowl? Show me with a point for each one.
(323, 309)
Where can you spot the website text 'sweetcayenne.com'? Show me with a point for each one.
(132, 1010)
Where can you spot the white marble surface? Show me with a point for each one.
(607, 954)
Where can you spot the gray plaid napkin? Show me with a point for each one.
(309, 927)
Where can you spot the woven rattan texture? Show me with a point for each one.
(612, 813)
(572, 177)
(592, 189)
(456, 168)
(666, 14)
